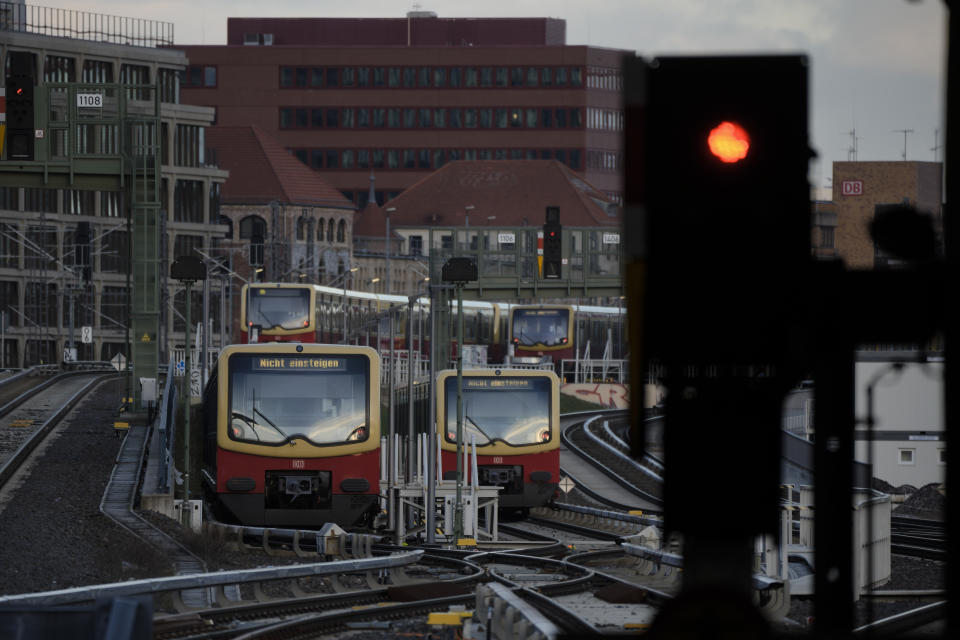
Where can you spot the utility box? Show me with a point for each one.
(148, 391)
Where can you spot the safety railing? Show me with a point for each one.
(166, 423)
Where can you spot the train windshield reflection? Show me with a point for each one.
(514, 410)
(321, 399)
(276, 308)
(547, 327)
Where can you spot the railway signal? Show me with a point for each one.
(19, 141)
(552, 244)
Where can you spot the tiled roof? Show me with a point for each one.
(516, 192)
(261, 171)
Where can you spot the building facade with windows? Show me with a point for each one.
(400, 98)
(38, 225)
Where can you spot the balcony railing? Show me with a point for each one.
(84, 25)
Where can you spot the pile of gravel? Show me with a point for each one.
(925, 502)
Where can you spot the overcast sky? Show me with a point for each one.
(876, 65)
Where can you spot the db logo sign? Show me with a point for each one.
(852, 187)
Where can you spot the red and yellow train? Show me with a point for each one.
(292, 434)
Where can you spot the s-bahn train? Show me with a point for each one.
(292, 434)
(313, 313)
(513, 417)
(282, 312)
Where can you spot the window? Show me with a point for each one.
(349, 196)
(409, 118)
(300, 118)
(456, 77)
(423, 118)
(440, 118)
(332, 118)
(254, 229)
(169, 84)
(97, 71)
(906, 456)
(378, 159)
(346, 158)
(363, 77)
(135, 74)
(409, 77)
(188, 201)
(9, 248)
(546, 118)
(363, 159)
(301, 228)
(363, 118)
(59, 69)
(423, 77)
(316, 118)
(379, 118)
(486, 76)
(188, 145)
(115, 251)
(416, 245)
(79, 202)
(342, 231)
(827, 237)
(346, 118)
(561, 115)
(516, 117)
(438, 158)
(286, 77)
(576, 77)
(394, 118)
(470, 77)
(439, 77)
(8, 293)
(333, 159)
(393, 159)
(316, 78)
(546, 76)
(409, 160)
(423, 159)
(379, 76)
(516, 77)
(470, 118)
(347, 76)
(456, 118)
(286, 118)
(576, 121)
(393, 77)
(486, 118)
(561, 77)
(531, 118)
(333, 77)
(501, 77)
(941, 456)
(320, 229)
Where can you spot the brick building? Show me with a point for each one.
(398, 98)
(857, 188)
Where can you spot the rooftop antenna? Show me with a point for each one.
(852, 150)
(936, 145)
(904, 132)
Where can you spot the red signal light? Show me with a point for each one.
(19, 91)
(729, 142)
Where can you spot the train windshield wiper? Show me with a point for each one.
(263, 314)
(525, 340)
(477, 430)
(269, 422)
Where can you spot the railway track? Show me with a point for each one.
(27, 418)
(918, 537)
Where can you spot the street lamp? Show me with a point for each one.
(388, 211)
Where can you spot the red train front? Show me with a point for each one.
(278, 312)
(542, 331)
(514, 418)
(292, 434)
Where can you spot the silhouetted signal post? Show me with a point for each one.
(552, 244)
(19, 93)
(717, 223)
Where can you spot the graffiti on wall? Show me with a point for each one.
(615, 396)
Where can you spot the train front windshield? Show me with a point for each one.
(514, 410)
(278, 308)
(547, 327)
(318, 398)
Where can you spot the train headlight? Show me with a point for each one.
(359, 433)
(544, 435)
